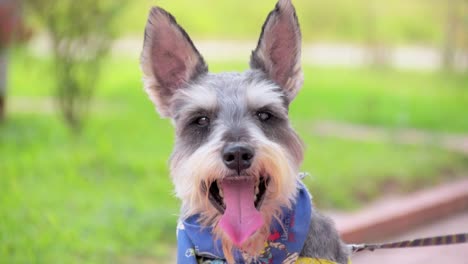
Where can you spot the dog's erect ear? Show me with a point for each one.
(169, 60)
(278, 51)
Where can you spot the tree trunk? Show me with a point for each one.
(464, 36)
(450, 41)
(377, 51)
(3, 82)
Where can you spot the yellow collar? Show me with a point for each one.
(304, 260)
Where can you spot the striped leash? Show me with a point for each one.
(421, 242)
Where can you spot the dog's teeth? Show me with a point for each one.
(220, 189)
(256, 190)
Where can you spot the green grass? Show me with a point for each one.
(99, 197)
(346, 174)
(106, 197)
(397, 21)
(394, 99)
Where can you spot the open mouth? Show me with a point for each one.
(239, 199)
(216, 193)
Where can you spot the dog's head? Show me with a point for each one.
(236, 157)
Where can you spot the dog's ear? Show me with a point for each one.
(278, 51)
(169, 60)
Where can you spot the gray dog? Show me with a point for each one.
(235, 164)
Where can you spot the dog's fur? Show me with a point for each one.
(212, 111)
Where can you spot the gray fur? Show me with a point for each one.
(178, 82)
(323, 241)
(232, 113)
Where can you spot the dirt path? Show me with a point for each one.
(406, 136)
(427, 255)
(48, 105)
(317, 53)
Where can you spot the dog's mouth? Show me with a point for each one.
(239, 200)
(216, 193)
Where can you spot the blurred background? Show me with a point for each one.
(83, 154)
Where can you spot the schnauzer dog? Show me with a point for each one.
(235, 164)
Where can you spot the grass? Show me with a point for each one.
(105, 196)
(346, 174)
(394, 99)
(389, 22)
(83, 200)
(397, 21)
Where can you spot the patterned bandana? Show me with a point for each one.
(196, 243)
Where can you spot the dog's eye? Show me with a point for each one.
(263, 116)
(202, 121)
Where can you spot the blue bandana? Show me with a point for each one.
(196, 244)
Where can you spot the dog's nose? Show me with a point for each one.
(238, 157)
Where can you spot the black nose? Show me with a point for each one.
(238, 157)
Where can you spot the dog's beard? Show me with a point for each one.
(240, 209)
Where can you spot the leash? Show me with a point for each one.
(421, 242)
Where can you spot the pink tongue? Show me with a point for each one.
(241, 219)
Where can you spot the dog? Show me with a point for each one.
(235, 163)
